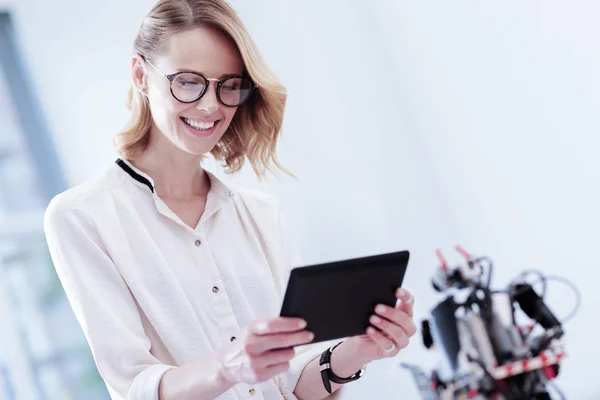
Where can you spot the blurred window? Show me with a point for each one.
(43, 353)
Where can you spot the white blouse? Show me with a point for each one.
(151, 293)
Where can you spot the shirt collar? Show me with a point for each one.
(217, 186)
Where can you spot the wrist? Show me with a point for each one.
(202, 378)
(344, 360)
(223, 377)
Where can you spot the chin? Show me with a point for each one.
(198, 149)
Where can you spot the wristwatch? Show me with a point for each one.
(327, 374)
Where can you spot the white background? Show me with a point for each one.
(410, 125)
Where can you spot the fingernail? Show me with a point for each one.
(302, 324)
(311, 336)
(370, 330)
(401, 292)
(375, 319)
(380, 309)
(261, 328)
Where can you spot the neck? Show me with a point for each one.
(176, 174)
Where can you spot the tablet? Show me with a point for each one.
(337, 298)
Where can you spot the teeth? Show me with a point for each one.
(199, 125)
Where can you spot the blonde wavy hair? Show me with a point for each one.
(256, 126)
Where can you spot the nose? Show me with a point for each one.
(209, 102)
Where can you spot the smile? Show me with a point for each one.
(201, 126)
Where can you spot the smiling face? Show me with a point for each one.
(194, 128)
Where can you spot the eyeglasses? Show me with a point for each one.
(189, 87)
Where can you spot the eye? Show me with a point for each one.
(189, 81)
(234, 84)
(230, 86)
(188, 84)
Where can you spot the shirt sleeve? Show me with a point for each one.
(102, 304)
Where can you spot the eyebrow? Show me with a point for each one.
(223, 76)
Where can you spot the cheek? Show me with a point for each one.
(164, 111)
(228, 114)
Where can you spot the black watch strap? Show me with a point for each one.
(327, 374)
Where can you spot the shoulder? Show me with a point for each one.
(259, 203)
(244, 197)
(258, 198)
(262, 209)
(71, 204)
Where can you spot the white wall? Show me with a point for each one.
(508, 106)
(410, 125)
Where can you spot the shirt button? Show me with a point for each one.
(215, 289)
(232, 338)
(251, 391)
(198, 243)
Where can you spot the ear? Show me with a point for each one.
(140, 79)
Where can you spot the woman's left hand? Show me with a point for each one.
(394, 325)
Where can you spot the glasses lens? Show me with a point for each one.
(188, 87)
(235, 91)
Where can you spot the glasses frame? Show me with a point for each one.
(219, 82)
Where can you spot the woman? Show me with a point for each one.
(174, 276)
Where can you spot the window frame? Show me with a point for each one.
(29, 116)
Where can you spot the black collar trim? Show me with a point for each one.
(134, 174)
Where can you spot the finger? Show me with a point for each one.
(277, 325)
(274, 357)
(275, 370)
(393, 332)
(381, 341)
(262, 374)
(260, 344)
(406, 301)
(397, 317)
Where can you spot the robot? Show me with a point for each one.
(497, 344)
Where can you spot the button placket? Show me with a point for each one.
(209, 264)
(218, 299)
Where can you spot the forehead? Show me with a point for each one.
(202, 49)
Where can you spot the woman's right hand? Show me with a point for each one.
(264, 350)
